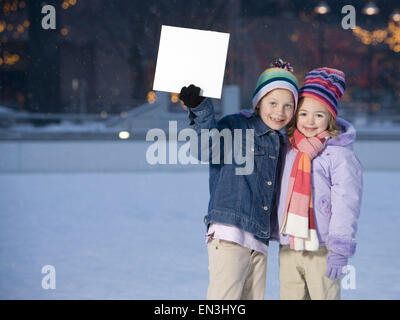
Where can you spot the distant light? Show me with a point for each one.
(124, 135)
(294, 37)
(174, 97)
(322, 8)
(395, 16)
(64, 31)
(370, 9)
(27, 23)
(10, 59)
(75, 84)
(6, 7)
(14, 7)
(104, 114)
(20, 97)
(376, 106)
(65, 5)
(72, 2)
(151, 97)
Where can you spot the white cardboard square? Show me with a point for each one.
(191, 56)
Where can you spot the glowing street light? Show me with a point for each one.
(370, 9)
(124, 135)
(322, 8)
(395, 16)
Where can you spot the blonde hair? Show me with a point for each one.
(333, 129)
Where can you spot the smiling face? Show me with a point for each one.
(312, 118)
(276, 108)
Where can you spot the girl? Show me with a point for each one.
(320, 195)
(240, 206)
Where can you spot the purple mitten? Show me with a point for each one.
(335, 262)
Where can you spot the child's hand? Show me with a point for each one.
(335, 262)
(191, 96)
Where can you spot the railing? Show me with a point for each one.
(380, 126)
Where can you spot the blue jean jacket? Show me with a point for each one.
(245, 201)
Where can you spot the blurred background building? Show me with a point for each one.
(100, 59)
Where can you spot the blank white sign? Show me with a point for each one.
(191, 56)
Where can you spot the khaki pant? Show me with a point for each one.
(302, 275)
(235, 272)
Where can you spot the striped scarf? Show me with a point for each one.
(298, 221)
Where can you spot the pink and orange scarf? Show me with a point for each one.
(298, 221)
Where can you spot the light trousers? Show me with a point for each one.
(235, 272)
(302, 275)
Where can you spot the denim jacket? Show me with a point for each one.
(245, 201)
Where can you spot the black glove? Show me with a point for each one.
(191, 96)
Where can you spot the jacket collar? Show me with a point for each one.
(260, 128)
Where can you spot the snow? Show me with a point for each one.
(64, 126)
(5, 110)
(141, 236)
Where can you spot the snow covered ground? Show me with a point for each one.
(141, 236)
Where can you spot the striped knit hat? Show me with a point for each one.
(278, 76)
(325, 85)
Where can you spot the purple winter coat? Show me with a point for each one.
(336, 176)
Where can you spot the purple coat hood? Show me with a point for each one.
(346, 138)
(336, 175)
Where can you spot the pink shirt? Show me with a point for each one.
(231, 233)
